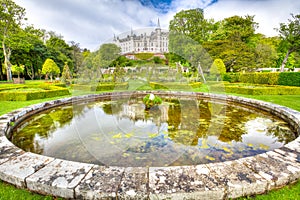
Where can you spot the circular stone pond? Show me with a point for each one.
(193, 145)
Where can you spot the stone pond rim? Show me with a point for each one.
(231, 179)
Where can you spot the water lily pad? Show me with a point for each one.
(118, 136)
(264, 147)
(125, 155)
(129, 135)
(153, 135)
(210, 158)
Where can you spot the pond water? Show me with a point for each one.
(120, 132)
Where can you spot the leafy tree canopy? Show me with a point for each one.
(290, 35)
(192, 23)
(50, 68)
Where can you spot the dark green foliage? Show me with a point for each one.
(231, 77)
(151, 102)
(289, 78)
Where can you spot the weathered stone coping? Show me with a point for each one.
(74, 180)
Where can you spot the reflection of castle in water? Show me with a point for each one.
(137, 112)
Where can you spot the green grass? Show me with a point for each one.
(290, 192)
(9, 192)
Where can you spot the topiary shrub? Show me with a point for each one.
(151, 100)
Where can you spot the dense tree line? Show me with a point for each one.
(194, 41)
(235, 41)
(24, 45)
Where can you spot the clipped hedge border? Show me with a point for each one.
(52, 91)
(259, 90)
(289, 78)
(260, 78)
(158, 86)
(102, 86)
(268, 78)
(112, 86)
(12, 87)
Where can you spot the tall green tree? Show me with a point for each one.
(192, 23)
(217, 68)
(59, 50)
(290, 34)
(50, 68)
(108, 53)
(236, 28)
(77, 56)
(11, 17)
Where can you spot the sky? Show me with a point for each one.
(93, 22)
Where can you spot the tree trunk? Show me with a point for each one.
(1, 73)
(7, 53)
(285, 60)
(200, 71)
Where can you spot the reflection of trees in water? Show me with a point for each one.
(42, 126)
(281, 132)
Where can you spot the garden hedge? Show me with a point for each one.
(289, 78)
(102, 86)
(19, 95)
(258, 89)
(112, 86)
(269, 78)
(175, 86)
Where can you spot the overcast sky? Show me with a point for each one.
(92, 22)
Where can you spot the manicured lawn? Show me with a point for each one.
(9, 192)
(291, 192)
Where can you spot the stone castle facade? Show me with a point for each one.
(156, 42)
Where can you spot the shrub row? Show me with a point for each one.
(32, 95)
(174, 85)
(259, 90)
(112, 86)
(260, 78)
(9, 87)
(269, 78)
(289, 78)
(102, 86)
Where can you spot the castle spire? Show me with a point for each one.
(158, 23)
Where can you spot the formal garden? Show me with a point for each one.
(217, 116)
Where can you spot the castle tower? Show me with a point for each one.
(158, 29)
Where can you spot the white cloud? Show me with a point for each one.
(268, 13)
(92, 22)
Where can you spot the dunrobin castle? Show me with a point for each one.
(155, 42)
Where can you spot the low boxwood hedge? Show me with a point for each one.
(269, 78)
(102, 86)
(289, 78)
(112, 86)
(258, 89)
(27, 94)
(174, 85)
